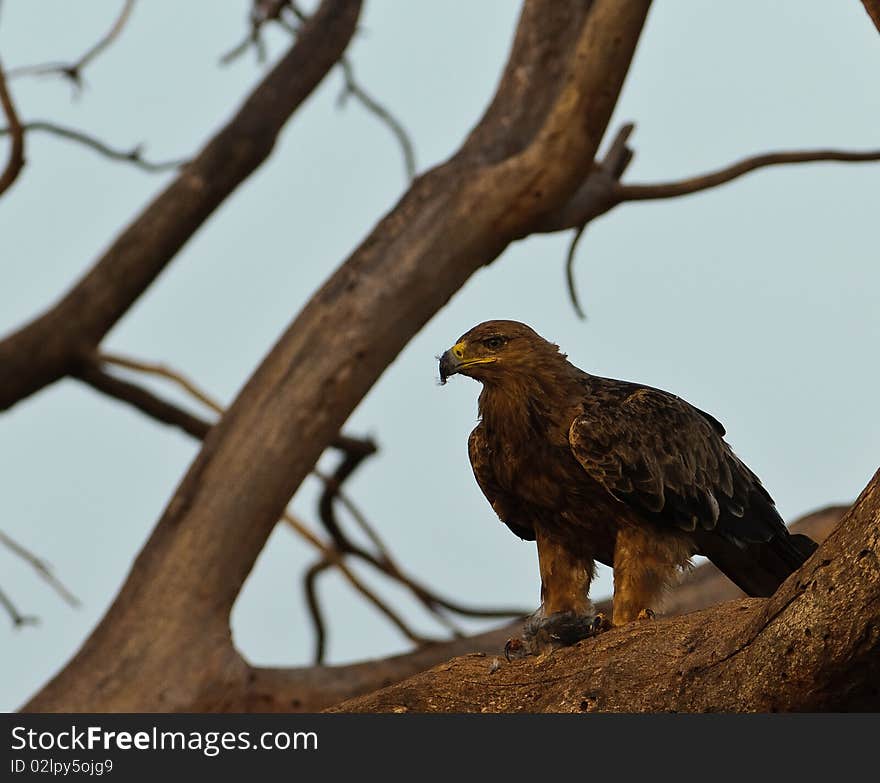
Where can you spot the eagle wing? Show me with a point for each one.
(667, 459)
(502, 503)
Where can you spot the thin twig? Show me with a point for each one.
(262, 11)
(16, 149)
(18, 619)
(272, 11)
(309, 581)
(41, 567)
(569, 271)
(133, 156)
(602, 190)
(162, 371)
(354, 90)
(73, 71)
(335, 557)
(684, 187)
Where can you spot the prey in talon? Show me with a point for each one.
(594, 470)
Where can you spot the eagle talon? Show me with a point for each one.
(561, 629)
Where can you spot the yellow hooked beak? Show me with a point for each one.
(453, 361)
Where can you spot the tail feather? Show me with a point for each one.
(758, 568)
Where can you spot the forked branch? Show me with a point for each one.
(602, 191)
(73, 70)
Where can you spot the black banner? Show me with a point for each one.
(142, 747)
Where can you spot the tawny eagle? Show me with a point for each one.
(596, 469)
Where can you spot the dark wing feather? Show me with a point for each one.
(667, 460)
(504, 505)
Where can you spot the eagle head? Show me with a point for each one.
(494, 349)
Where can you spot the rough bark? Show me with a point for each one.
(813, 646)
(309, 689)
(165, 642)
(52, 345)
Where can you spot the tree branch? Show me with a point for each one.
(602, 190)
(813, 646)
(133, 156)
(354, 449)
(714, 179)
(15, 163)
(46, 349)
(309, 689)
(530, 151)
(73, 71)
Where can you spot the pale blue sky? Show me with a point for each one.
(756, 301)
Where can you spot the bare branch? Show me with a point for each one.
(383, 561)
(73, 71)
(16, 149)
(602, 179)
(602, 190)
(44, 350)
(713, 179)
(145, 401)
(525, 157)
(355, 450)
(162, 371)
(309, 580)
(262, 11)
(40, 566)
(133, 156)
(18, 619)
(334, 556)
(352, 88)
(569, 272)
(272, 11)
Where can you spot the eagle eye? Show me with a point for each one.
(494, 343)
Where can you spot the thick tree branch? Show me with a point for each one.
(533, 147)
(333, 554)
(15, 163)
(813, 646)
(73, 71)
(50, 346)
(135, 155)
(309, 689)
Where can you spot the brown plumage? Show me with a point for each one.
(596, 469)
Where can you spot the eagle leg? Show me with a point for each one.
(645, 564)
(566, 615)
